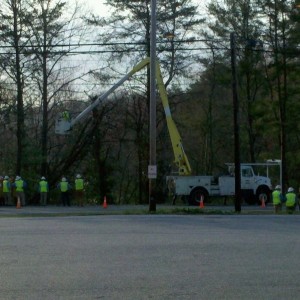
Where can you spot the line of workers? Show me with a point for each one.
(290, 199)
(10, 190)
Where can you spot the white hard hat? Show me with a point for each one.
(278, 187)
(290, 189)
(18, 177)
(6, 177)
(43, 178)
(78, 176)
(64, 179)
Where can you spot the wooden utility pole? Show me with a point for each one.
(152, 169)
(238, 194)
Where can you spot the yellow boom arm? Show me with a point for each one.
(181, 160)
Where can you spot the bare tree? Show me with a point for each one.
(50, 27)
(13, 62)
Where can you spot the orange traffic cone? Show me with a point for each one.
(19, 203)
(263, 203)
(104, 202)
(201, 203)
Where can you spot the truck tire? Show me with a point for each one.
(196, 194)
(263, 191)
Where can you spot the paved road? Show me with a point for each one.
(150, 257)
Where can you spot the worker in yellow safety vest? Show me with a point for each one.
(6, 191)
(2, 202)
(66, 115)
(64, 188)
(20, 186)
(43, 189)
(277, 199)
(291, 200)
(79, 190)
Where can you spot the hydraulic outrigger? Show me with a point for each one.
(63, 126)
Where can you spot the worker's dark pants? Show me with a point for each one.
(290, 209)
(43, 198)
(79, 197)
(2, 200)
(65, 198)
(21, 195)
(7, 198)
(277, 208)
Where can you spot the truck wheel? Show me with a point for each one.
(263, 192)
(195, 196)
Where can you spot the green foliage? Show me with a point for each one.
(111, 147)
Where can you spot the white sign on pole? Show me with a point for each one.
(152, 172)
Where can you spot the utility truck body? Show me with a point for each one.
(195, 188)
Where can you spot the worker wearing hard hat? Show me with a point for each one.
(20, 186)
(6, 191)
(2, 202)
(79, 190)
(64, 188)
(66, 115)
(43, 190)
(277, 199)
(291, 200)
(298, 200)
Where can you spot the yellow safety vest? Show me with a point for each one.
(43, 186)
(5, 186)
(290, 199)
(79, 184)
(19, 186)
(63, 186)
(276, 197)
(66, 115)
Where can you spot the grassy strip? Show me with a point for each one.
(175, 211)
(47, 215)
(161, 211)
(191, 211)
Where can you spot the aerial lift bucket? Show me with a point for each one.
(62, 126)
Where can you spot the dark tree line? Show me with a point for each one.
(39, 80)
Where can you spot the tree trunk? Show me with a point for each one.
(44, 132)
(20, 104)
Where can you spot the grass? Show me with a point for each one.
(191, 211)
(172, 210)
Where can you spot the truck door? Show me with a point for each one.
(247, 178)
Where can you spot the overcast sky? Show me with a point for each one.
(99, 7)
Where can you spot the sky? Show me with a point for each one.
(99, 7)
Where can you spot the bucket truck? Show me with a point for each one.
(185, 184)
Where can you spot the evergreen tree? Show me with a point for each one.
(240, 17)
(281, 71)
